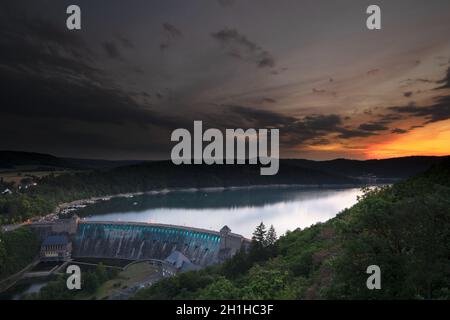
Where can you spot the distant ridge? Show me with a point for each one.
(382, 168)
(343, 170)
(12, 159)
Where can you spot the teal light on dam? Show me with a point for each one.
(141, 241)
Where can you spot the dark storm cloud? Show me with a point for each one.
(322, 122)
(279, 71)
(410, 82)
(142, 94)
(49, 136)
(269, 100)
(240, 47)
(266, 61)
(171, 30)
(320, 142)
(373, 72)
(71, 88)
(60, 98)
(58, 89)
(399, 131)
(112, 50)
(257, 118)
(306, 128)
(388, 118)
(45, 48)
(354, 133)
(443, 58)
(438, 111)
(228, 36)
(317, 126)
(170, 34)
(446, 81)
(311, 129)
(49, 83)
(125, 42)
(324, 92)
(411, 108)
(373, 126)
(19, 27)
(407, 94)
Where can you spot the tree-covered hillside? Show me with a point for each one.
(404, 229)
(18, 248)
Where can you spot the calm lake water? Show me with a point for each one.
(287, 208)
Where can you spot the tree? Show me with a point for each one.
(90, 282)
(239, 264)
(221, 289)
(271, 236)
(264, 283)
(101, 273)
(14, 255)
(259, 235)
(3, 256)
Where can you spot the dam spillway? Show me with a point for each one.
(141, 241)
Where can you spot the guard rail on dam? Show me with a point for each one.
(142, 241)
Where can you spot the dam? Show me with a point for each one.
(144, 241)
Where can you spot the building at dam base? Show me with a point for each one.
(196, 248)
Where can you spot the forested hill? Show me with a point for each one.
(11, 159)
(384, 168)
(404, 229)
(18, 159)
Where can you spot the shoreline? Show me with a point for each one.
(67, 207)
(79, 204)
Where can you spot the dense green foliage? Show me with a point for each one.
(404, 229)
(18, 207)
(18, 248)
(91, 280)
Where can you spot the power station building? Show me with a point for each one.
(56, 248)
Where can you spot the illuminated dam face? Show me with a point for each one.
(140, 241)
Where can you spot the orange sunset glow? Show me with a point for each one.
(432, 140)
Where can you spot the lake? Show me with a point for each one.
(241, 209)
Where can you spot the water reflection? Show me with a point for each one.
(241, 210)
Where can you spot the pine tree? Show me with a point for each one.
(259, 235)
(271, 236)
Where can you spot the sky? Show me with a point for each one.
(137, 70)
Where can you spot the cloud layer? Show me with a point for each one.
(101, 93)
(240, 47)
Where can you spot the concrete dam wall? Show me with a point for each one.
(139, 241)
